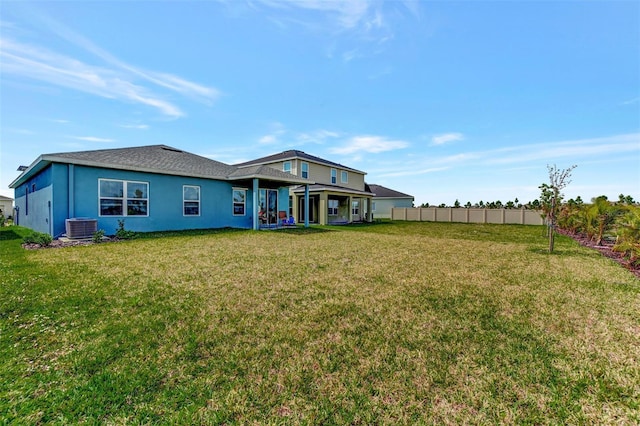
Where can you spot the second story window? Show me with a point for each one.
(334, 176)
(305, 170)
(344, 177)
(286, 167)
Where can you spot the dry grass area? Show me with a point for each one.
(393, 323)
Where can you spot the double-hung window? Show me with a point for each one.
(239, 201)
(344, 177)
(286, 167)
(334, 176)
(305, 170)
(333, 207)
(355, 207)
(191, 200)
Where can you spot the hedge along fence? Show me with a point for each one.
(468, 215)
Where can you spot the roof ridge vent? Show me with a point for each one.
(168, 148)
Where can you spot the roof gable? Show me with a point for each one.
(294, 154)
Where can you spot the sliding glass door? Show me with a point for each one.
(268, 213)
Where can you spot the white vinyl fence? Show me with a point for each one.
(464, 215)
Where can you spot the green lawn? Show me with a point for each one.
(392, 323)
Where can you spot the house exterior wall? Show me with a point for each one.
(384, 206)
(65, 191)
(321, 173)
(165, 207)
(33, 202)
(6, 206)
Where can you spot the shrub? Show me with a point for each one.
(98, 235)
(39, 238)
(628, 236)
(124, 234)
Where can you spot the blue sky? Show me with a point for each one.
(443, 100)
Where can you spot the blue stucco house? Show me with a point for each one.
(151, 188)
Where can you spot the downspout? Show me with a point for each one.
(256, 207)
(71, 205)
(49, 218)
(306, 206)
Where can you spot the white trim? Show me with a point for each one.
(124, 198)
(244, 203)
(191, 201)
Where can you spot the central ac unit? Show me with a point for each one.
(81, 227)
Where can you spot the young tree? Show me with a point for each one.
(551, 197)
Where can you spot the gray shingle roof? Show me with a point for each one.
(157, 159)
(152, 158)
(383, 192)
(294, 154)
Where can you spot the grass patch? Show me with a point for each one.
(395, 322)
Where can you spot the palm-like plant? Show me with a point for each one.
(628, 235)
(601, 216)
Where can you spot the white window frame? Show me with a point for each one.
(184, 200)
(125, 199)
(334, 176)
(333, 211)
(304, 170)
(244, 203)
(344, 176)
(286, 167)
(355, 207)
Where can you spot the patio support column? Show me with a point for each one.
(306, 206)
(256, 207)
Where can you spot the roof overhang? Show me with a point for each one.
(335, 190)
(43, 161)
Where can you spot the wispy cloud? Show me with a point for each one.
(416, 172)
(446, 138)
(574, 151)
(280, 134)
(369, 144)
(275, 133)
(631, 101)
(112, 79)
(92, 139)
(362, 26)
(135, 126)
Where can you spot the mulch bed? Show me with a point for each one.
(65, 243)
(605, 249)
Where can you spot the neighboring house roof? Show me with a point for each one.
(3, 198)
(383, 192)
(293, 154)
(160, 159)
